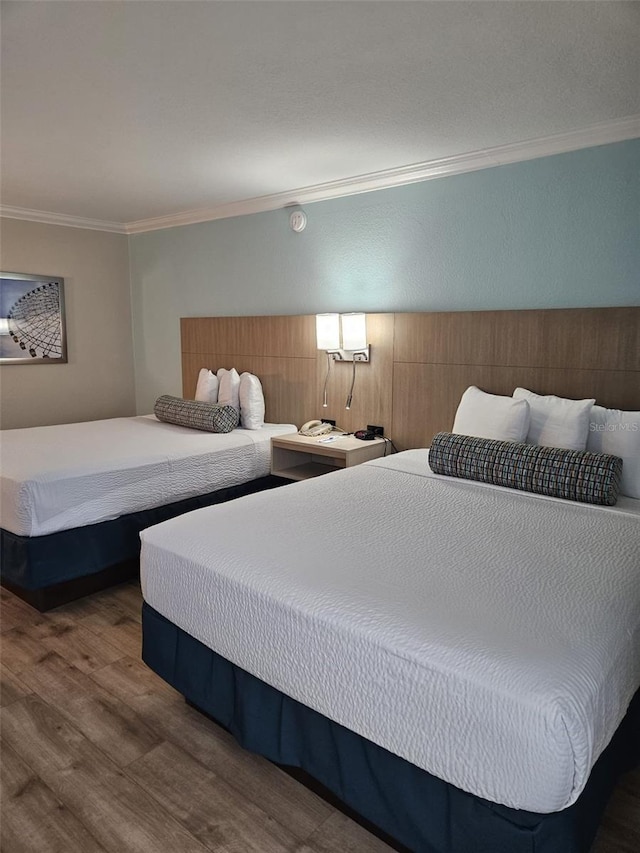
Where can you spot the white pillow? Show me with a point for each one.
(491, 416)
(251, 402)
(207, 387)
(229, 388)
(618, 433)
(557, 421)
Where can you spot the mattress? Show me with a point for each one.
(488, 636)
(56, 478)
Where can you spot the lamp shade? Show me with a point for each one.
(328, 331)
(354, 331)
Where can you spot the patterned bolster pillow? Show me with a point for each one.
(571, 474)
(191, 413)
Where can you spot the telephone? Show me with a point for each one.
(314, 428)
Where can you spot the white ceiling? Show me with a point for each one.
(123, 111)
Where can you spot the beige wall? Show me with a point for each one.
(98, 380)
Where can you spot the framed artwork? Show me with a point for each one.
(32, 329)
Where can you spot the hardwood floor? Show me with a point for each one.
(99, 754)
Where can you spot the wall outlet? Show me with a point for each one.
(376, 430)
(328, 421)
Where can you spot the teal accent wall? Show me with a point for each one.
(557, 232)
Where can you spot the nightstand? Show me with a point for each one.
(299, 457)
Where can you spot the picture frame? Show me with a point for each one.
(32, 319)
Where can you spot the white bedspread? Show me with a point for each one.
(58, 477)
(490, 637)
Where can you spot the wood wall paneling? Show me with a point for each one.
(584, 338)
(288, 383)
(282, 352)
(421, 363)
(284, 336)
(593, 338)
(469, 337)
(577, 353)
(426, 396)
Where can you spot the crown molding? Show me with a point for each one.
(603, 133)
(48, 218)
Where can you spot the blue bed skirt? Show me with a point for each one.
(38, 562)
(422, 812)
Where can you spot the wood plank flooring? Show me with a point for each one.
(99, 754)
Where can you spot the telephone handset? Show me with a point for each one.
(314, 428)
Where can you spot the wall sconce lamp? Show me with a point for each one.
(328, 331)
(354, 338)
(343, 336)
(350, 330)
(327, 338)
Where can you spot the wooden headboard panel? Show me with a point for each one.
(422, 362)
(281, 350)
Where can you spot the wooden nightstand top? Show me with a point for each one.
(298, 457)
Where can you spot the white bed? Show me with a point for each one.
(74, 497)
(61, 477)
(511, 637)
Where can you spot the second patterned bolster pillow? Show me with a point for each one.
(570, 474)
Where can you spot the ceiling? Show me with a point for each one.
(125, 111)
